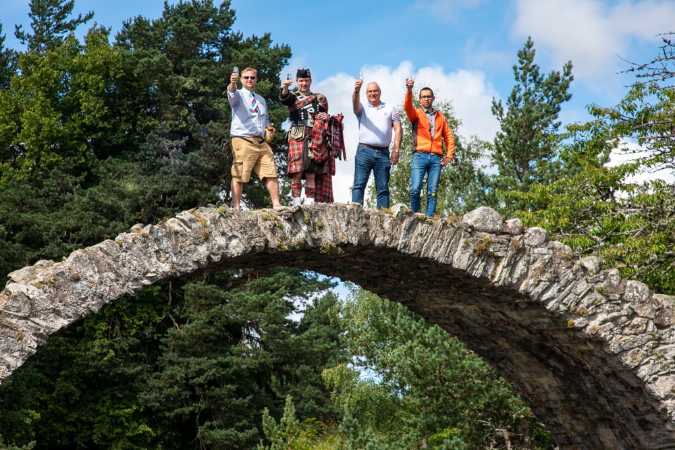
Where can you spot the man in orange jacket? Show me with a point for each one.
(430, 129)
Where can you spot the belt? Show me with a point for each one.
(375, 147)
(248, 139)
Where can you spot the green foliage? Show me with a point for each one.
(599, 209)
(49, 24)
(645, 114)
(12, 447)
(284, 435)
(80, 390)
(526, 147)
(249, 355)
(290, 434)
(178, 69)
(424, 388)
(179, 364)
(7, 62)
(60, 111)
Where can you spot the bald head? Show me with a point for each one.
(373, 93)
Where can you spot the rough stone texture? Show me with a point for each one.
(534, 237)
(484, 219)
(592, 354)
(513, 226)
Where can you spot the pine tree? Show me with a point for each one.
(285, 434)
(7, 62)
(181, 65)
(49, 24)
(526, 147)
(429, 388)
(181, 362)
(601, 210)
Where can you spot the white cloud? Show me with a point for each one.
(630, 151)
(593, 34)
(469, 92)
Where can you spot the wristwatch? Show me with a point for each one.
(395, 150)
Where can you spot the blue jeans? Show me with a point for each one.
(424, 163)
(377, 161)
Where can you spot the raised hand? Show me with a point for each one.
(409, 84)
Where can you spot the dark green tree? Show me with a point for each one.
(181, 64)
(235, 354)
(81, 390)
(526, 149)
(427, 389)
(61, 111)
(181, 365)
(49, 24)
(608, 211)
(7, 62)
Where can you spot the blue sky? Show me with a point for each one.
(465, 49)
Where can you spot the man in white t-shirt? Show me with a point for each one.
(376, 121)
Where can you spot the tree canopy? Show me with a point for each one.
(50, 24)
(526, 147)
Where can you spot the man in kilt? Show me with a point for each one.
(304, 107)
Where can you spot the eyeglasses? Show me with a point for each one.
(248, 78)
(426, 96)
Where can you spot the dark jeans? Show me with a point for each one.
(377, 161)
(424, 163)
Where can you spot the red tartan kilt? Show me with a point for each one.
(295, 156)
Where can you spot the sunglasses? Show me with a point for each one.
(248, 78)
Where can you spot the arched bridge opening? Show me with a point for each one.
(591, 354)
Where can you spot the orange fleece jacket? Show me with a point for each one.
(422, 140)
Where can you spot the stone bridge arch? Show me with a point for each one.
(592, 354)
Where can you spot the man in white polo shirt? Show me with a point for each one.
(376, 121)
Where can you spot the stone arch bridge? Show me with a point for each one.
(592, 354)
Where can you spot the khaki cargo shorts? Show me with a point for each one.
(249, 156)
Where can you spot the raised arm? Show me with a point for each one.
(408, 107)
(286, 96)
(356, 100)
(232, 96)
(234, 79)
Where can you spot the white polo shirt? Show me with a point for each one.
(376, 124)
